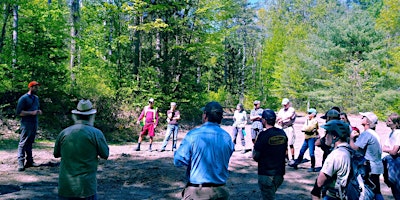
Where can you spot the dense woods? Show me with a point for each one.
(120, 53)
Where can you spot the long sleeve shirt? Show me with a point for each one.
(310, 128)
(79, 147)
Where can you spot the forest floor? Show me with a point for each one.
(128, 174)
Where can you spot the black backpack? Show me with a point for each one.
(359, 186)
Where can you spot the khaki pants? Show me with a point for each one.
(203, 193)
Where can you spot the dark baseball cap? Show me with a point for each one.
(332, 113)
(212, 107)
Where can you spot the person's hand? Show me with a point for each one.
(354, 134)
(38, 112)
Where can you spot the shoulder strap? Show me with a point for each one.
(154, 115)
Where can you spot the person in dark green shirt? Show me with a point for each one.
(79, 147)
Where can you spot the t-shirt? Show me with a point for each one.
(28, 102)
(256, 123)
(391, 141)
(271, 144)
(338, 165)
(287, 115)
(369, 142)
(239, 118)
(173, 114)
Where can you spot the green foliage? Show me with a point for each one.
(191, 52)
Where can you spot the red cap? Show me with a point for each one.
(33, 83)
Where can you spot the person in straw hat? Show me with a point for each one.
(79, 147)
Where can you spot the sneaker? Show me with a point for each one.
(149, 150)
(174, 149)
(243, 151)
(137, 149)
(312, 169)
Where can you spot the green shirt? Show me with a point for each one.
(79, 147)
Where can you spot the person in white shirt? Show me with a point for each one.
(285, 120)
(239, 123)
(390, 155)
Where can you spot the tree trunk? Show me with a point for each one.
(242, 72)
(75, 17)
(15, 36)
(7, 12)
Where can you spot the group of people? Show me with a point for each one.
(273, 137)
(339, 140)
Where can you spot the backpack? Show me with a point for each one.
(359, 186)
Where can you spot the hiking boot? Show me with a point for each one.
(21, 166)
(31, 164)
(293, 164)
(137, 149)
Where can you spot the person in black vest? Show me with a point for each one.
(270, 153)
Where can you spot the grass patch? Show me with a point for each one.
(12, 144)
(9, 144)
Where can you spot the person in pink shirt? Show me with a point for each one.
(149, 116)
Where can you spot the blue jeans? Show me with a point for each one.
(171, 129)
(310, 145)
(26, 139)
(237, 130)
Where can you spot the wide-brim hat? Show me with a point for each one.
(84, 107)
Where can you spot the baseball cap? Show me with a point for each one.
(312, 111)
(256, 102)
(211, 107)
(285, 101)
(33, 83)
(151, 100)
(173, 104)
(332, 113)
(268, 114)
(371, 116)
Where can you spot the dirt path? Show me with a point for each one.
(151, 175)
